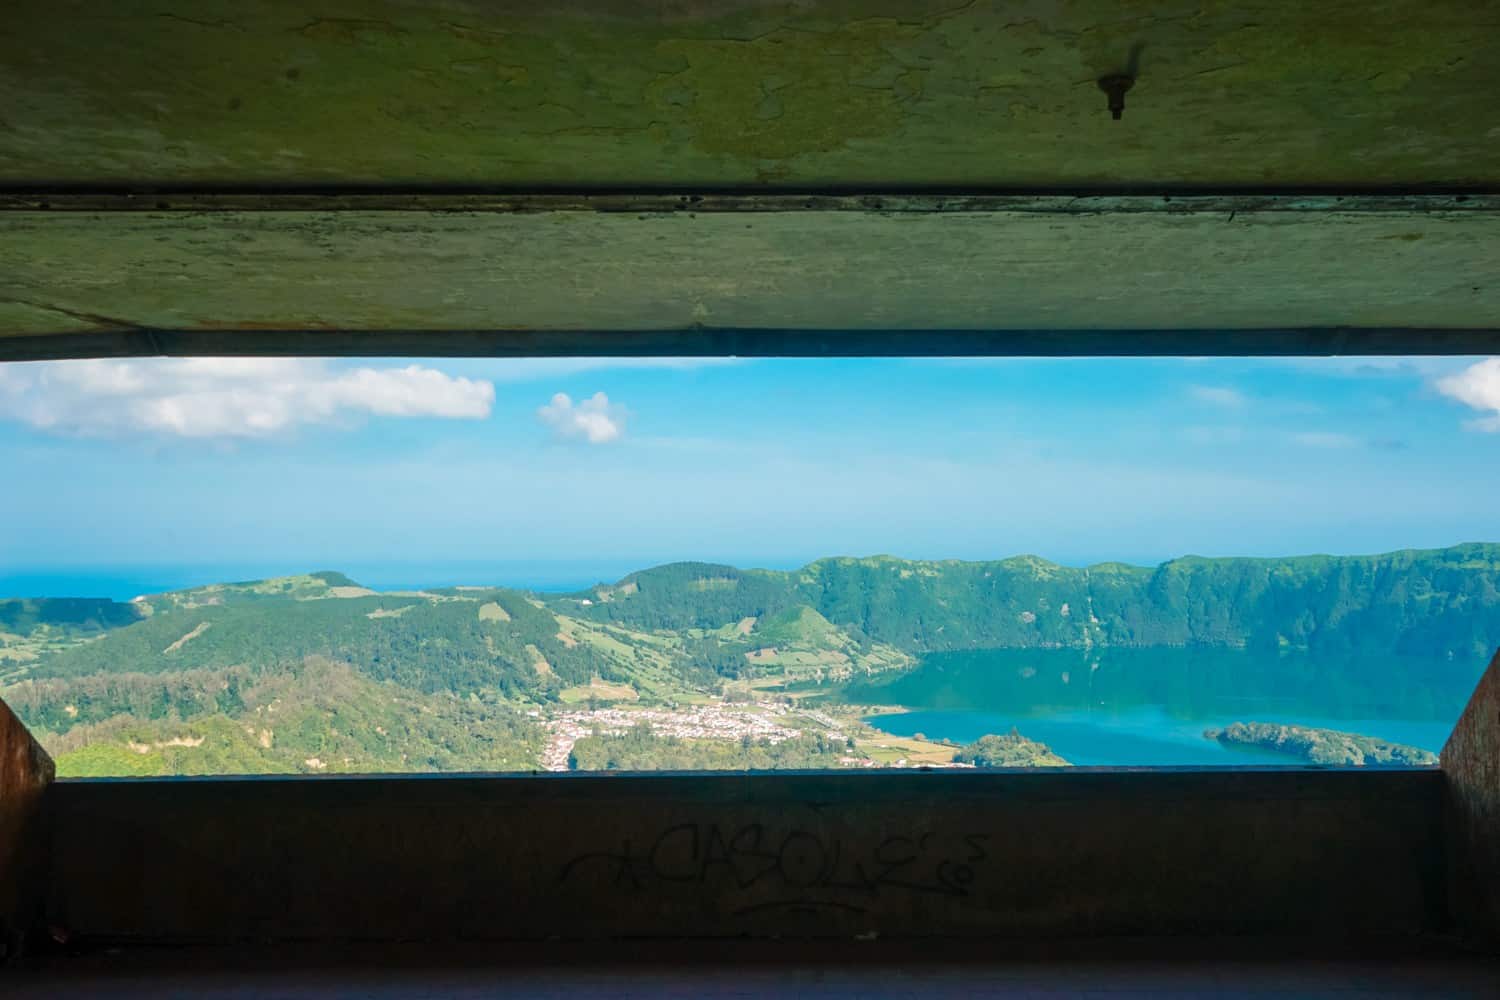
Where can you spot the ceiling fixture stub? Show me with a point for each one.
(1115, 85)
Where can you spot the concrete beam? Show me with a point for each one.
(1471, 762)
(98, 275)
(25, 772)
(710, 93)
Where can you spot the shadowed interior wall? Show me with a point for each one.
(1011, 854)
(25, 771)
(1471, 764)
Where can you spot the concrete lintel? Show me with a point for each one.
(1078, 201)
(1313, 342)
(1471, 762)
(25, 771)
(744, 274)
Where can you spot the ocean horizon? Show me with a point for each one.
(126, 582)
(123, 582)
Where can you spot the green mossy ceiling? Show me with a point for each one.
(715, 93)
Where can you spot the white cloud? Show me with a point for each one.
(1324, 439)
(595, 420)
(1478, 387)
(1216, 395)
(225, 397)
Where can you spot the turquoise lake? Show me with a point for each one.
(1149, 707)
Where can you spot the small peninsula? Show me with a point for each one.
(1323, 746)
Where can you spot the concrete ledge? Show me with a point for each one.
(1119, 969)
(1013, 854)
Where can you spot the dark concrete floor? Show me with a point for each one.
(866, 970)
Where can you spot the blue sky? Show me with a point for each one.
(553, 472)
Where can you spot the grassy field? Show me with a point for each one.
(18, 652)
(598, 690)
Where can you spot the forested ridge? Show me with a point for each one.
(1413, 601)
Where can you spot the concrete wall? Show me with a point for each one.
(1471, 765)
(1318, 853)
(25, 771)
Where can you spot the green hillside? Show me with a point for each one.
(314, 717)
(307, 587)
(66, 614)
(31, 628)
(427, 644)
(1010, 750)
(185, 682)
(799, 625)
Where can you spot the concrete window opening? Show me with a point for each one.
(321, 566)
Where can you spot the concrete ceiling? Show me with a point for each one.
(712, 93)
(205, 110)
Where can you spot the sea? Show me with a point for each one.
(126, 582)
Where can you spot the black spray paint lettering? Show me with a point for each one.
(798, 859)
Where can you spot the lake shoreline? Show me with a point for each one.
(1149, 708)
